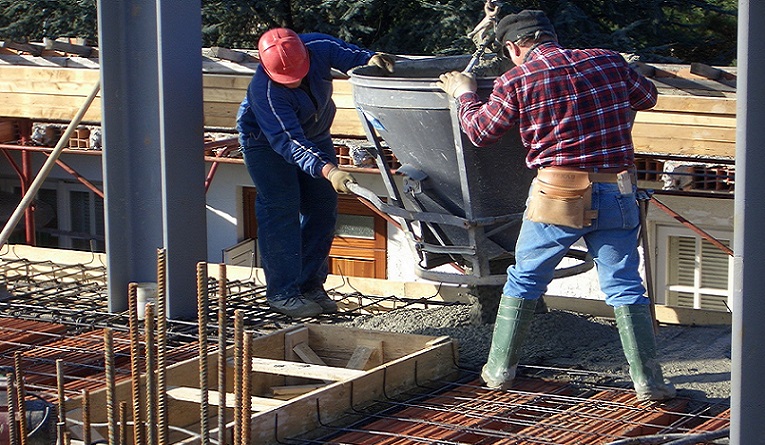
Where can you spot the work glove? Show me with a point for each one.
(456, 83)
(383, 61)
(340, 179)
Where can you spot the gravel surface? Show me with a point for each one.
(696, 359)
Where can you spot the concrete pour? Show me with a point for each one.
(696, 359)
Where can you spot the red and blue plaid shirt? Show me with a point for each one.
(573, 107)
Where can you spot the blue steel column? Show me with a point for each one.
(182, 137)
(748, 354)
(151, 76)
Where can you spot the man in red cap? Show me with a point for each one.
(283, 125)
(574, 109)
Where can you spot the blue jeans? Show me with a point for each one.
(611, 240)
(296, 216)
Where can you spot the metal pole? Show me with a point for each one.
(153, 127)
(47, 167)
(748, 331)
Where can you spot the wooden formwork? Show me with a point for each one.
(301, 377)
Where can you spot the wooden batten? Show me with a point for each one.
(395, 363)
(695, 114)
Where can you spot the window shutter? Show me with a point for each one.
(697, 275)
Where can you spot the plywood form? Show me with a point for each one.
(405, 361)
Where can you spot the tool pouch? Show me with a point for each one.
(562, 198)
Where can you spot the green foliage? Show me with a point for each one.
(657, 30)
(27, 20)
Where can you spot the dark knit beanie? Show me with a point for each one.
(514, 27)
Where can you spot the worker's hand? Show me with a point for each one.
(383, 61)
(340, 179)
(456, 83)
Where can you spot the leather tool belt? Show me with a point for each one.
(563, 196)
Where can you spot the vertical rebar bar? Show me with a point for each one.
(246, 388)
(161, 347)
(20, 398)
(222, 293)
(86, 417)
(111, 411)
(135, 369)
(151, 398)
(13, 432)
(61, 396)
(60, 427)
(123, 423)
(204, 406)
(238, 333)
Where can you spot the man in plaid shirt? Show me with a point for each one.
(574, 109)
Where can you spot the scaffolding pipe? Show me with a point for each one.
(47, 167)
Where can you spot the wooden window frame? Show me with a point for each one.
(345, 250)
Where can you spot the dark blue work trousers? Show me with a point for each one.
(296, 216)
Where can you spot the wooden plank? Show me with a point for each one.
(304, 370)
(221, 115)
(49, 74)
(334, 401)
(192, 395)
(35, 87)
(58, 45)
(307, 354)
(288, 392)
(684, 147)
(675, 118)
(347, 123)
(368, 354)
(697, 86)
(44, 107)
(227, 54)
(292, 339)
(696, 104)
(234, 81)
(229, 95)
(336, 344)
(30, 48)
(696, 132)
(296, 349)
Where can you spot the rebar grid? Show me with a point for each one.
(76, 296)
(55, 313)
(534, 412)
(51, 339)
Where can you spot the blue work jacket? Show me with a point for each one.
(289, 119)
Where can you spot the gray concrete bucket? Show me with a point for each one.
(460, 204)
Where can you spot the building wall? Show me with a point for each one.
(225, 213)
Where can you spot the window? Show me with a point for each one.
(361, 238)
(360, 245)
(691, 271)
(86, 219)
(68, 216)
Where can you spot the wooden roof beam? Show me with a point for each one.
(31, 48)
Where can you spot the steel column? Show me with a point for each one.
(151, 72)
(747, 354)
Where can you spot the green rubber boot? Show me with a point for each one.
(639, 343)
(513, 319)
